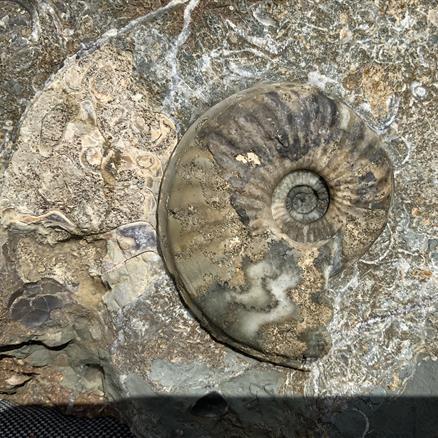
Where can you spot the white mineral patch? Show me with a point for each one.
(264, 289)
(250, 158)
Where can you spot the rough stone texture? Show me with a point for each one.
(94, 97)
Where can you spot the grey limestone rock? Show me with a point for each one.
(94, 97)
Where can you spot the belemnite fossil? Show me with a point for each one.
(267, 195)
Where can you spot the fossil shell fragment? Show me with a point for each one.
(267, 195)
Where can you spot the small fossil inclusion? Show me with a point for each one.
(269, 194)
(33, 302)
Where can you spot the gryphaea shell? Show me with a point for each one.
(266, 196)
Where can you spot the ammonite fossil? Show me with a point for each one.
(267, 195)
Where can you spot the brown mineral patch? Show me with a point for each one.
(416, 211)
(421, 274)
(14, 373)
(90, 291)
(69, 262)
(280, 337)
(44, 387)
(377, 83)
(397, 8)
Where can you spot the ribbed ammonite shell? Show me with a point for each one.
(267, 195)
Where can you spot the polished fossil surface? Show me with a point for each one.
(267, 195)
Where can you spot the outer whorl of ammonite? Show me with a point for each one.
(266, 196)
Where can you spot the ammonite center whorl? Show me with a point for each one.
(303, 194)
(266, 196)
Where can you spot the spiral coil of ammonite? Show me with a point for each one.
(266, 196)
